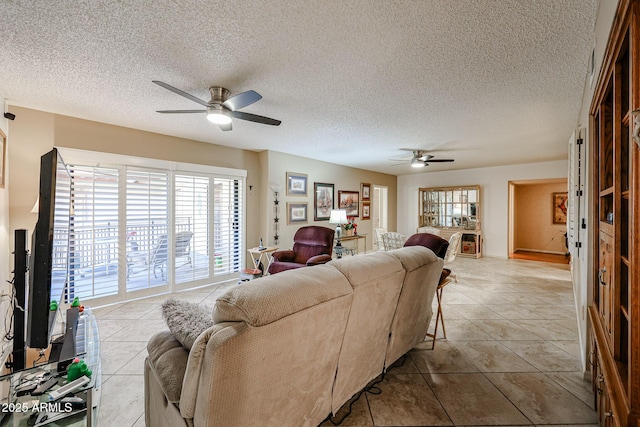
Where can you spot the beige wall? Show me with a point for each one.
(36, 132)
(534, 229)
(344, 178)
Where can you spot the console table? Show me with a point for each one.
(341, 249)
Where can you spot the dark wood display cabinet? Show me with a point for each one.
(614, 312)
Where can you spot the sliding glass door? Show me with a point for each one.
(138, 232)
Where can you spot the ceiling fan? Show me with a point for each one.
(420, 158)
(221, 108)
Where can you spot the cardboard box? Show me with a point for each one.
(468, 247)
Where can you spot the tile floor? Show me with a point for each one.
(511, 357)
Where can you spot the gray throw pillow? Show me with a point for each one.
(186, 320)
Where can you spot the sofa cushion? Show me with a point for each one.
(168, 358)
(186, 320)
(270, 298)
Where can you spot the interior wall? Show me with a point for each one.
(534, 229)
(343, 178)
(494, 186)
(5, 247)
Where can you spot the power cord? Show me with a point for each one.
(371, 388)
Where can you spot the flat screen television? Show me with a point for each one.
(49, 258)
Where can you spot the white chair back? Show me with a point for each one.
(377, 233)
(393, 240)
(455, 241)
(430, 230)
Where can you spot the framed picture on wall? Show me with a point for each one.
(296, 184)
(349, 201)
(323, 200)
(296, 213)
(365, 188)
(366, 210)
(560, 208)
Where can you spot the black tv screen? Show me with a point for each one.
(49, 259)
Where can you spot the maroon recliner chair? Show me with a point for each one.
(436, 243)
(312, 245)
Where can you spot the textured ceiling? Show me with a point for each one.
(486, 82)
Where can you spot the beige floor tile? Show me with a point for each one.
(542, 400)
(464, 330)
(470, 399)
(571, 346)
(109, 327)
(446, 359)
(514, 311)
(116, 354)
(135, 366)
(406, 400)
(475, 311)
(544, 355)
(547, 329)
(493, 356)
(140, 330)
(129, 311)
(505, 330)
(122, 401)
(565, 311)
(575, 384)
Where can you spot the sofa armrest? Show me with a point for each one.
(319, 259)
(285, 256)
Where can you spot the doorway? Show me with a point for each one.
(379, 211)
(537, 220)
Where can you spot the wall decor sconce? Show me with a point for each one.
(276, 213)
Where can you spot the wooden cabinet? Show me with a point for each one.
(453, 209)
(614, 312)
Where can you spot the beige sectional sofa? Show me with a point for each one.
(291, 348)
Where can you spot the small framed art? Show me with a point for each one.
(366, 210)
(560, 208)
(296, 184)
(323, 201)
(349, 201)
(296, 213)
(365, 189)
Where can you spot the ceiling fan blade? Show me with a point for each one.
(181, 93)
(226, 127)
(242, 100)
(180, 111)
(255, 118)
(439, 160)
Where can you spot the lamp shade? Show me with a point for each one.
(338, 216)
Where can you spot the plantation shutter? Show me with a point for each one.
(191, 227)
(227, 225)
(93, 239)
(147, 226)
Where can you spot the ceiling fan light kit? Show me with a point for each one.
(222, 108)
(420, 158)
(218, 116)
(417, 163)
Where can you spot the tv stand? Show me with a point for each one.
(87, 345)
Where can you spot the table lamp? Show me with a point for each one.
(338, 216)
